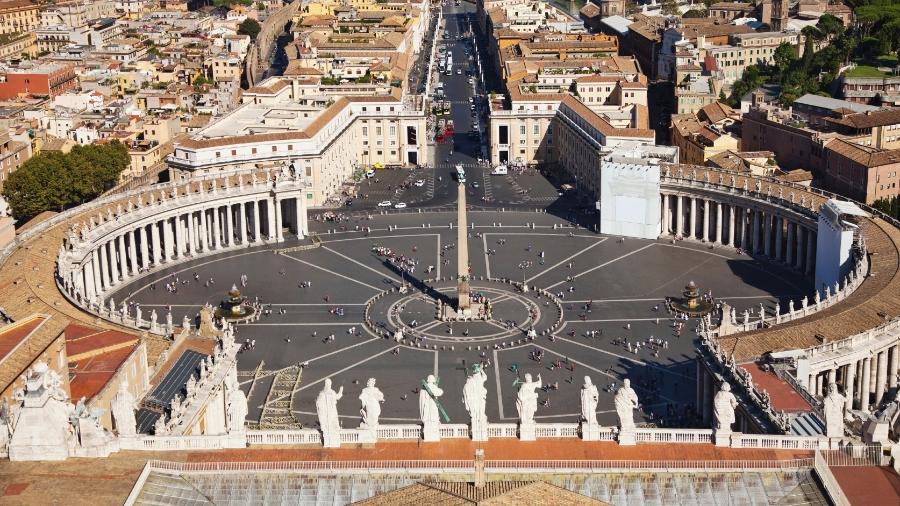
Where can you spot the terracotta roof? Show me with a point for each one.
(797, 176)
(715, 112)
(601, 124)
(864, 155)
(590, 10)
(782, 395)
(14, 334)
(869, 119)
(271, 89)
(296, 68)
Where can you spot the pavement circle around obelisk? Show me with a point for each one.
(415, 313)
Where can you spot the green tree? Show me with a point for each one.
(830, 25)
(228, 3)
(784, 55)
(201, 80)
(669, 7)
(56, 181)
(249, 27)
(694, 13)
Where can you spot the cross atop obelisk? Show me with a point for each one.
(462, 257)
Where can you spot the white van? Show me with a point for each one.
(370, 173)
(500, 170)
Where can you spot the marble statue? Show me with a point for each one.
(589, 400)
(170, 327)
(428, 407)
(154, 325)
(186, 323)
(833, 406)
(237, 410)
(791, 306)
(475, 398)
(724, 404)
(526, 400)
(123, 411)
(326, 409)
(626, 402)
(159, 428)
(371, 398)
(138, 314)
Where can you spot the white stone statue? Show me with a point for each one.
(833, 406)
(371, 398)
(123, 411)
(724, 404)
(159, 428)
(326, 409)
(526, 400)
(237, 410)
(626, 402)
(475, 400)
(186, 323)
(590, 397)
(428, 409)
(154, 325)
(170, 326)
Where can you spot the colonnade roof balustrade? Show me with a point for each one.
(872, 304)
(28, 282)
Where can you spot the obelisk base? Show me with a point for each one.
(464, 302)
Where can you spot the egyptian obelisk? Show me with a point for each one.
(462, 256)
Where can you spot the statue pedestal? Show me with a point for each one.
(431, 433)
(527, 432)
(479, 431)
(331, 438)
(627, 437)
(722, 438)
(590, 432)
(368, 435)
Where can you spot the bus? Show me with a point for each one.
(460, 174)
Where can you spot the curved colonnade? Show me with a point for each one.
(115, 239)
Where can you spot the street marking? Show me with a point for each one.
(570, 257)
(487, 261)
(436, 375)
(437, 264)
(347, 368)
(624, 357)
(273, 373)
(287, 304)
(288, 324)
(497, 379)
(348, 278)
(357, 262)
(604, 264)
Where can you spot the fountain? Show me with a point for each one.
(691, 303)
(234, 307)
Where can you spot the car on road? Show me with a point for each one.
(458, 71)
(400, 205)
(420, 183)
(475, 184)
(385, 203)
(471, 100)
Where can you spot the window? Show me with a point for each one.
(365, 131)
(253, 151)
(274, 149)
(377, 130)
(521, 129)
(218, 154)
(393, 131)
(536, 128)
(503, 134)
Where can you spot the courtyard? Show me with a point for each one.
(610, 292)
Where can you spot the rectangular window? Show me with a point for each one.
(393, 131)
(377, 130)
(503, 134)
(365, 130)
(411, 137)
(521, 129)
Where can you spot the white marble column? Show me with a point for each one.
(154, 236)
(810, 250)
(298, 210)
(791, 232)
(779, 239)
(706, 207)
(692, 234)
(801, 243)
(179, 227)
(145, 249)
(719, 239)
(113, 262)
(755, 232)
(665, 214)
(679, 214)
(271, 220)
(866, 384)
(192, 233)
(731, 210)
(256, 221)
(228, 235)
(217, 232)
(132, 252)
(204, 230)
(242, 224)
(849, 392)
(279, 220)
(90, 287)
(767, 234)
(169, 238)
(892, 367)
(97, 271)
(881, 377)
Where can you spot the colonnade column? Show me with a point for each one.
(693, 223)
(731, 210)
(113, 263)
(192, 233)
(256, 219)
(123, 257)
(665, 213)
(98, 277)
(204, 231)
(801, 240)
(242, 224)
(779, 237)
(755, 231)
(706, 207)
(216, 242)
(849, 393)
(154, 236)
(90, 290)
(679, 216)
(145, 250)
(810, 236)
(767, 235)
(866, 384)
(179, 233)
(169, 238)
(892, 367)
(791, 232)
(279, 221)
(719, 239)
(881, 377)
(229, 226)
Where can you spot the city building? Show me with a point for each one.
(19, 16)
(48, 80)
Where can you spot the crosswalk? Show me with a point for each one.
(488, 186)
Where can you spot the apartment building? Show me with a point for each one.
(47, 80)
(704, 135)
(19, 16)
(864, 90)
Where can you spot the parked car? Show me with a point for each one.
(420, 183)
(400, 205)
(385, 203)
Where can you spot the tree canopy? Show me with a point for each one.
(249, 27)
(56, 181)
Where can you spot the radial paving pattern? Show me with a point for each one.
(608, 291)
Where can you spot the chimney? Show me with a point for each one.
(479, 468)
